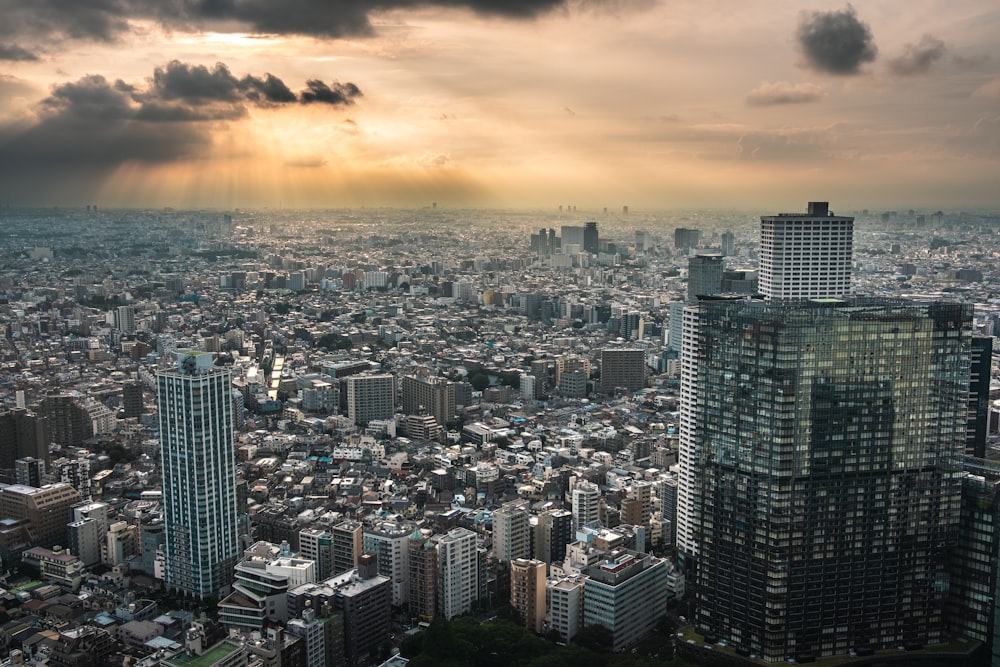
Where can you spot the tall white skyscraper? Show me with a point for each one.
(806, 256)
(199, 475)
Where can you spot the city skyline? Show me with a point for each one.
(477, 103)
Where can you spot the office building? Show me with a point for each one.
(979, 396)
(591, 240)
(806, 256)
(527, 592)
(511, 532)
(685, 238)
(323, 633)
(626, 592)
(728, 243)
(263, 578)
(827, 448)
(198, 463)
(704, 276)
(132, 400)
(623, 368)
(370, 397)
(46, 510)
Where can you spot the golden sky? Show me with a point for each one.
(500, 103)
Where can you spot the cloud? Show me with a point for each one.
(15, 53)
(918, 58)
(973, 62)
(107, 19)
(338, 93)
(835, 42)
(797, 145)
(87, 128)
(989, 90)
(783, 92)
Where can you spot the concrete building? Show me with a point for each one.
(389, 542)
(511, 532)
(371, 397)
(585, 499)
(198, 464)
(625, 592)
(347, 544)
(564, 605)
(527, 592)
(459, 572)
(806, 256)
(622, 367)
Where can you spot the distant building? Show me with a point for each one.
(622, 367)
(461, 575)
(371, 397)
(511, 534)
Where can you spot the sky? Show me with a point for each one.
(654, 104)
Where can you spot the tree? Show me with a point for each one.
(479, 380)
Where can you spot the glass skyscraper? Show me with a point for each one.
(199, 475)
(826, 469)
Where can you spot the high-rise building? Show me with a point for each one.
(827, 445)
(979, 396)
(371, 397)
(22, 433)
(728, 244)
(552, 533)
(591, 240)
(585, 499)
(347, 544)
(198, 462)
(459, 572)
(527, 591)
(806, 256)
(132, 399)
(511, 532)
(685, 238)
(317, 546)
(432, 395)
(704, 276)
(423, 576)
(623, 367)
(389, 542)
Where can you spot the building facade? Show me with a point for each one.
(198, 462)
(828, 444)
(806, 256)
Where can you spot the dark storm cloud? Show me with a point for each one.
(835, 42)
(52, 19)
(918, 58)
(15, 53)
(106, 19)
(89, 127)
(339, 93)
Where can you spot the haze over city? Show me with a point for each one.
(481, 103)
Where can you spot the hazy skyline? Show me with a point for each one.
(245, 103)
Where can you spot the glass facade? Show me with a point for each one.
(830, 436)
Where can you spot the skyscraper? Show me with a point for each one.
(591, 239)
(806, 256)
(623, 367)
(704, 276)
(828, 438)
(199, 475)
